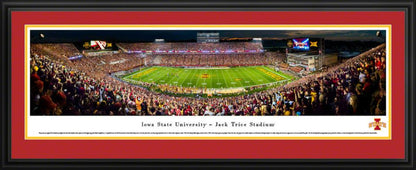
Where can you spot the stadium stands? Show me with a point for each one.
(83, 87)
(199, 60)
(65, 50)
(101, 66)
(185, 47)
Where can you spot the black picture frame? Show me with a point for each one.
(7, 6)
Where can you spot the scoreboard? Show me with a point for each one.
(301, 44)
(213, 37)
(311, 45)
(97, 45)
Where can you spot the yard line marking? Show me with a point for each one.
(159, 75)
(278, 73)
(198, 78)
(186, 78)
(262, 74)
(223, 78)
(273, 74)
(236, 77)
(248, 70)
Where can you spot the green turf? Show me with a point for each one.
(209, 78)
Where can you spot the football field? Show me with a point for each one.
(221, 77)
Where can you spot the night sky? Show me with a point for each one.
(190, 35)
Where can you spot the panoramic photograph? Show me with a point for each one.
(207, 72)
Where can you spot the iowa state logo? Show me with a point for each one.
(290, 44)
(377, 124)
(314, 44)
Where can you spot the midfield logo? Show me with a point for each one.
(377, 124)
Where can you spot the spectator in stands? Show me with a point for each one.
(356, 87)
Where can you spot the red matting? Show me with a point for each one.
(153, 149)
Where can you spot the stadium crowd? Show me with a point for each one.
(213, 59)
(223, 46)
(59, 49)
(355, 87)
(100, 66)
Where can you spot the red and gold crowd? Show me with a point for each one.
(85, 87)
(223, 46)
(200, 60)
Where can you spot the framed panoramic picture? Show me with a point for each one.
(185, 84)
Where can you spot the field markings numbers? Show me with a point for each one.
(253, 74)
(157, 76)
(146, 73)
(174, 77)
(212, 80)
(198, 78)
(141, 73)
(278, 73)
(141, 70)
(269, 74)
(204, 83)
(186, 78)
(145, 78)
(241, 78)
(236, 73)
(170, 77)
(264, 75)
(227, 77)
(248, 71)
(194, 78)
(231, 76)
